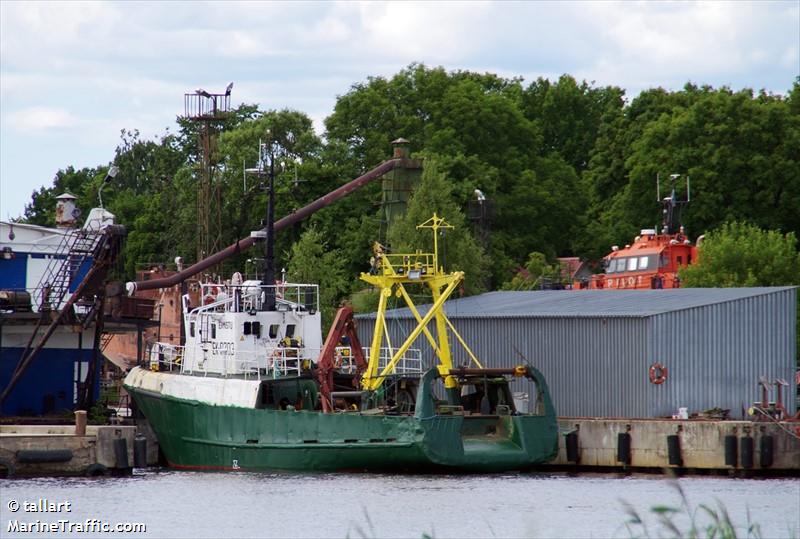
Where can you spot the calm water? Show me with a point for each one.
(197, 505)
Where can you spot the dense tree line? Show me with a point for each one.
(567, 168)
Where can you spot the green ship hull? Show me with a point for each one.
(198, 435)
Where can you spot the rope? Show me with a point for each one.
(777, 422)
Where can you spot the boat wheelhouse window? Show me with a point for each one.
(273, 331)
(248, 328)
(191, 329)
(632, 263)
(643, 262)
(290, 330)
(620, 264)
(213, 331)
(257, 329)
(680, 260)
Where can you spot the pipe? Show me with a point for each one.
(492, 371)
(287, 221)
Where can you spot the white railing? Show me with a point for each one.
(251, 297)
(344, 361)
(165, 357)
(409, 363)
(274, 363)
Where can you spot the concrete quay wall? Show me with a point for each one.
(701, 444)
(55, 450)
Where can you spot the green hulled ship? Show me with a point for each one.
(255, 388)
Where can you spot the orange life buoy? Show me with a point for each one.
(211, 295)
(658, 373)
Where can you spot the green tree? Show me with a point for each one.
(42, 208)
(243, 200)
(145, 196)
(458, 249)
(570, 114)
(742, 254)
(519, 146)
(739, 148)
(537, 270)
(311, 261)
(605, 182)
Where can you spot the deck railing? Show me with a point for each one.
(278, 362)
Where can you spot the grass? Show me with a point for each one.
(661, 521)
(704, 521)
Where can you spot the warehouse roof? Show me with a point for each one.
(587, 303)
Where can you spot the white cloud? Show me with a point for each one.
(443, 31)
(73, 74)
(41, 119)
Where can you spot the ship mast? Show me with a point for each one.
(671, 205)
(266, 166)
(391, 274)
(269, 250)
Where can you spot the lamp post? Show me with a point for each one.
(111, 174)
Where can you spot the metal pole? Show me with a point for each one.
(269, 251)
(160, 307)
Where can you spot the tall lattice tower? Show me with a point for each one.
(208, 111)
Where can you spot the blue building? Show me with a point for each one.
(52, 381)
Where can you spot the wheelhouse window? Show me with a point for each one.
(643, 262)
(273, 331)
(632, 263)
(213, 331)
(290, 330)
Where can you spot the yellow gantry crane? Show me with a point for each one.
(391, 274)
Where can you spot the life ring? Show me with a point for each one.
(211, 296)
(658, 373)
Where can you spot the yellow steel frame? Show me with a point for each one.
(395, 271)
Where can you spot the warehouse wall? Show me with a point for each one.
(597, 366)
(717, 353)
(586, 361)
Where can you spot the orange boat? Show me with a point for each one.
(653, 260)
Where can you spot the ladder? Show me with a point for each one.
(103, 246)
(76, 247)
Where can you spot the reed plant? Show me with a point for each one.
(704, 521)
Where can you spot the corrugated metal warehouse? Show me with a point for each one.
(596, 347)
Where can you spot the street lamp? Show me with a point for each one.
(110, 175)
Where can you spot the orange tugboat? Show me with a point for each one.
(654, 258)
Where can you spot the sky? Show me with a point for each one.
(73, 75)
